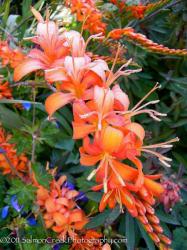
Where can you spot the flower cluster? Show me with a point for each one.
(10, 56)
(144, 42)
(88, 14)
(171, 194)
(138, 11)
(135, 11)
(102, 118)
(10, 161)
(60, 210)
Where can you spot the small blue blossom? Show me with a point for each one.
(26, 105)
(81, 197)
(69, 185)
(31, 221)
(4, 212)
(14, 203)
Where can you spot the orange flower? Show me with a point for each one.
(139, 204)
(88, 14)
(59, 208)
(88, 240)
(81, 82)
(97, 114)
(109, 147)
(5, 91)
(11, 163)
(10, 56)
(53, 49)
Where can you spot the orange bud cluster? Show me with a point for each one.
(87, 13)
(10, 161)
(151, 223)
(9, 55)
(144, 42)
(5, 90)
(60, 210)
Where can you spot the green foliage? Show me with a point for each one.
(165, 23)
(25, 193)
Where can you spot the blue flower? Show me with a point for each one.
(81, 197)
(69, 185)
(31, 221)
(26, 105)
(57, 246)
(14, 203)
(4, 212)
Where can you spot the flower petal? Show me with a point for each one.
(57, 74)
(56, 101)
(137, 129)
(111, 139)
(27, 66)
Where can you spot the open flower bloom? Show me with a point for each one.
(78, 76)
(107, 149)
(139, 204)
(53, 49)
(60, 209)
(96, 114)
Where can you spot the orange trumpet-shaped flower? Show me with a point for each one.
(53, 49)
(124, 195)
(109, 147)
(59, 208)
(97, 114)
(78, 76)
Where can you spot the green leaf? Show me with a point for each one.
(94, 196)
(168, 218)
(98, 220)
(149, 242)
(129, 231)
(113, 216)
(25, 193)
(10, 119)
(179, 239)
(42, 176)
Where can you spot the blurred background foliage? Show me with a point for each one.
(166, 25)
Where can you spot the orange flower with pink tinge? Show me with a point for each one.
(10, 56)
(59, 209)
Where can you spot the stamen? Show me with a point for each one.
(117, 174)
(163, 144)
(96, 36)
(157, 86)
(84, 116)
(161, 158)
(118, 198)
